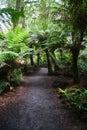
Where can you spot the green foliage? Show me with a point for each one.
(52, 25)
(15, 77)
(76, 98)
(83, 55)
(3, 85)
(55, 39)
(77, 13)
(82, 65)
(8, 56)
(14, 45)
(43, 63)
(65, 58)
(14, 14)
(16, 39)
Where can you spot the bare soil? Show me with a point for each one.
(35, 105)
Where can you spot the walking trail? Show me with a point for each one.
(35, 106)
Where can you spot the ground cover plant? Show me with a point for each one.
(76, 99)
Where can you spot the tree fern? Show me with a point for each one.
(8, 55)
(16, 39)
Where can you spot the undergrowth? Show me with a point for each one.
(76, 99)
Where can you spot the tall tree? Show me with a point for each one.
(76, 17)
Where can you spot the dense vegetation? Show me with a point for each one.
(47, 33)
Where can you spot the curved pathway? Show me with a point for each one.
(34, 106)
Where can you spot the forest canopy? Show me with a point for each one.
(45, 32)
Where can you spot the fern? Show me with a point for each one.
(8, 55)
(16, 39)
(3, 85)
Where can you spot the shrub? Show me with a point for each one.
(3, 86)
(76, 99)
(82, 65)
(15, 77)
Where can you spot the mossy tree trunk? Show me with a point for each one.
(75, 53)
(38, 59)
(48, 62)
(54, 60)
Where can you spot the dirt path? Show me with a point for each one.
(35, 106)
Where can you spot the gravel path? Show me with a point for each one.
(34, 106)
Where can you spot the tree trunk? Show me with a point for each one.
(23, 22)
(38, 59)
(75, 53)
(53, 57)
(31, 60)
(61, 53)
(75, 67)
(23, 18)
(48, 62)
(31, 57)
(18, 3)
(17, 7)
